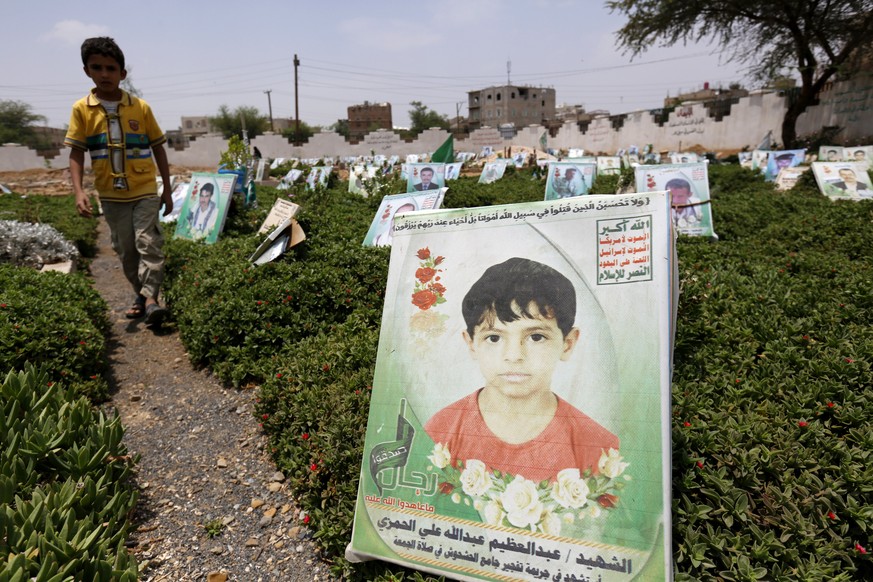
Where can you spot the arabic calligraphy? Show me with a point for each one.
(624, 250)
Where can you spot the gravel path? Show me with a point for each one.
(202, 459)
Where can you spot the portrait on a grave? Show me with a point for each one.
(843, 180)
(777, 160)
(492, 171)
(568, 179)
(205, 207)
(381, 231)
(422, 177)
(517, 424)
(688, 186)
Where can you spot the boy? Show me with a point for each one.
(120, 132)
(519, 318)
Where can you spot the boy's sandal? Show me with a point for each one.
(136, 310)
(155, 314)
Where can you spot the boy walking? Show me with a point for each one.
(121, 133)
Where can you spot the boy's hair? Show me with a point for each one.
(208, 186)
(103, 46)
(520, 282)
(677, 183)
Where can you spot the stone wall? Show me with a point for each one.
(847, 104)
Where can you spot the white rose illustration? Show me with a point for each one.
(493, 513)
(522, 504)
(441, 457)
(570, 490)
(610, 464)
(475, 480)
(551, 524)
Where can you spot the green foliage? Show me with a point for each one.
(772, 361)
(422, 118)
(814, 39)
(237, 156)
(59, 212)
(292, 135)
(64, 492)
(229, 124)
(58, 321)
(214, 528)
(16, 124)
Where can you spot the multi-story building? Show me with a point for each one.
(511, 104)
(368, 117)
(195, 126)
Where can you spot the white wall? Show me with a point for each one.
(847, 104)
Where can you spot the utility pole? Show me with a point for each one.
(296, 104)
(458, 116)
(270, 106)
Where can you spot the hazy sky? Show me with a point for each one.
(190, 57)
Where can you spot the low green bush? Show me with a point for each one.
(57, 321)
(64, 491)
(772, 434)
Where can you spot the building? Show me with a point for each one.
(511, 104)
(368, 117)
(706, 94)
(196, 126)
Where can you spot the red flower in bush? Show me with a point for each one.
(82, 343)
(425, 274)
(325, 368)
(279, 375)
(265, 416)
(831, 404)
(686, 424)
(306, 519)
(313, 467)
(446, 488)
(832, 515)
(424, 299)
(608, 500)
(849, 360)
(802, 423)
(861, 549)
(3, 305)
(305, 436)
(424, 253)
(699, 464)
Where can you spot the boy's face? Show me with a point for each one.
(518, 358)
(106, 74)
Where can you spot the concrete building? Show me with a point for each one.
(510, 104)
(195, 126)
(368, 117)
(706, 94)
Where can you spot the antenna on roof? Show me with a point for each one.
(508, 71)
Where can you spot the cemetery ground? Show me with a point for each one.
(771, 428)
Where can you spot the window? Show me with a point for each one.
(498, 113)
(512, 95)
(188, 124)
(544, 102)
(498, 96)
(488, 97)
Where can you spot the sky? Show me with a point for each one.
(189, 57)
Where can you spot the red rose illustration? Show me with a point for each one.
(424, 299)
(438, 260)
(438, 288)
(425, 274)
(424, 253)
(446, 488)
(608, 500)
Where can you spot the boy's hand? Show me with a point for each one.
(83, 204)
(167, 199)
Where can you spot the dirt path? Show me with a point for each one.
(202, 459)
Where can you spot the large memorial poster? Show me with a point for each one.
(205, 207)
(860, 154)
(843, 180)
(608, 165)
(569, 179)
(492, 171)
(519, 419)
(422, 176)
(830, 153)
(688, 185)
(381, 231)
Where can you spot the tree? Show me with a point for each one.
(16, 124)
(341, 127)
(815, 39)
(229, 123)
(306, 131)
(422, 118)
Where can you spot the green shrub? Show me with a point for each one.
(64, 492)
(772, 369)
(57, 321)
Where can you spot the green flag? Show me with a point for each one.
(445, 154)
(392, 454)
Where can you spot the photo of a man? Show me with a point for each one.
(567, 185)
(849, 185)
(426, 175)
(202, 218)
